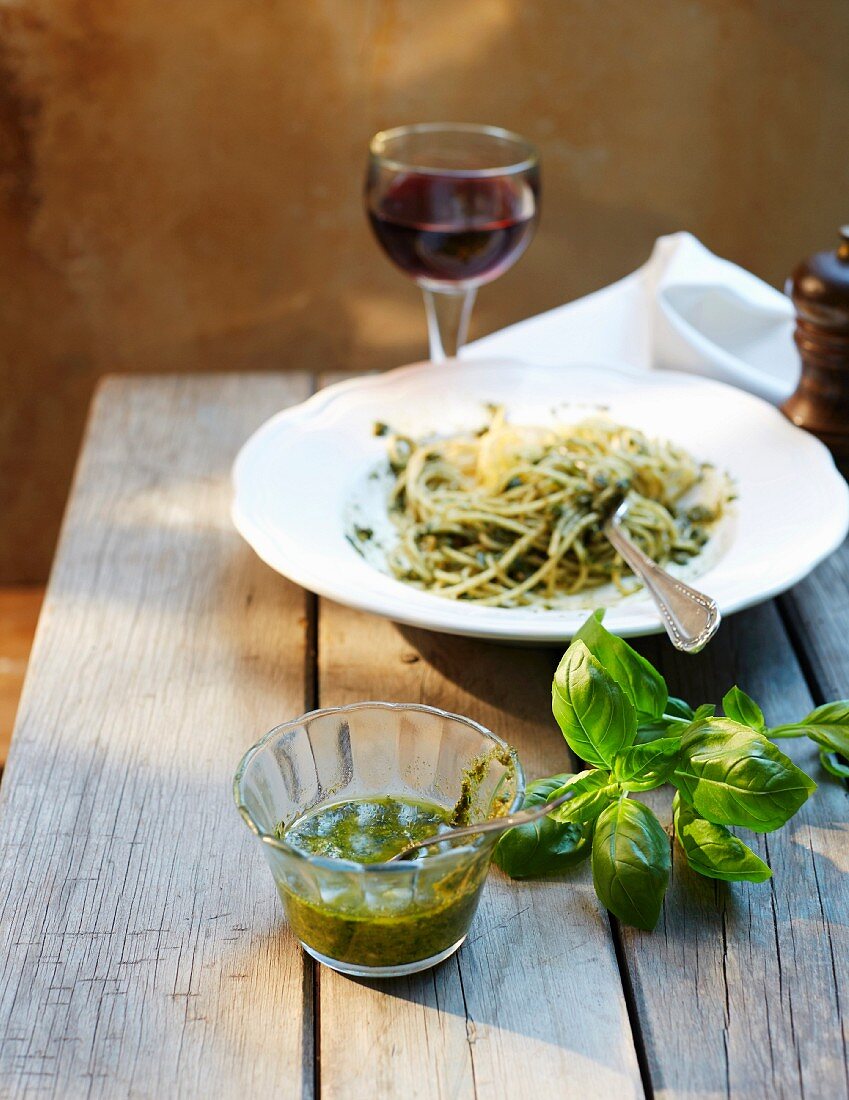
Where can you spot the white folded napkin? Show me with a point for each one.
(685, 309)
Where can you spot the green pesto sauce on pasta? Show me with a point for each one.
(514, 515)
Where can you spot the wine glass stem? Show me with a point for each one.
(448, 314)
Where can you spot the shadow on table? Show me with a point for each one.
(521, 987)
(491, 671)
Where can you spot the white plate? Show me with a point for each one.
(303, 475)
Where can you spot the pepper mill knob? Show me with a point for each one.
(819, 288)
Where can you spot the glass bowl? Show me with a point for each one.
(377, 919)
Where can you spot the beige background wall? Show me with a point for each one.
(180, 182)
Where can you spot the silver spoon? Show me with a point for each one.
(691, 618)
(492, 825)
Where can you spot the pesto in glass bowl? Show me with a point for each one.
(333, 794)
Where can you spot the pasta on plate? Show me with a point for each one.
(513, 515)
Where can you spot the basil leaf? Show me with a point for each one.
(644, 767)
(596, 717)
(827, 725)
(679, 709)
(706, 710)
(654, 728)
(640, 680)
(631, 862)
(735, 776)
(543, 846)
(592, 792)
(833, 741)
(739, 707)
(651, 731)
(833, 764)
(712, 850)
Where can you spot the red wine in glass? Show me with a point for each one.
(453, 205)
(449, 230)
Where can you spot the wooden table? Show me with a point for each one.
(142, 945)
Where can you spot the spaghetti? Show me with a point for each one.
(514, 515)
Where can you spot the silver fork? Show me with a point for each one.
(691, 618)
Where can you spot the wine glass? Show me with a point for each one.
(453, 205)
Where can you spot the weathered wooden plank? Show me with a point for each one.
(741, 990)
(533, 1003)
(141, 946)
(818, 612)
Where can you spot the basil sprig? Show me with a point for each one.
(615, 712)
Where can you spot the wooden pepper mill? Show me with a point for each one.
(819, 288)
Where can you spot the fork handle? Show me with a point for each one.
(691, 618)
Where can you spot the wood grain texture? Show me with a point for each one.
(741, 990)
(533, 1003)
(142, 950)
(141, 947)
(817, 611)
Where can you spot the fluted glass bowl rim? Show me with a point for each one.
(325, 862)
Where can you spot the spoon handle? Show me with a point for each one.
(691, 618)
(492, 825)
